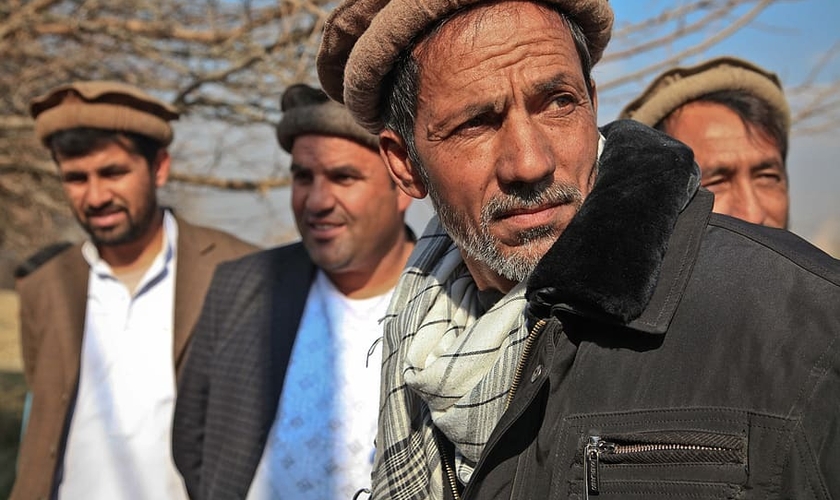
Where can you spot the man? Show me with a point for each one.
(104, 324)
(278, 398)
(735, 117)
(577, 324)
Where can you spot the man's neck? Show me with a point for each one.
(381, 277)
(135, 255)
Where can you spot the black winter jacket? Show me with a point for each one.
(710, 370)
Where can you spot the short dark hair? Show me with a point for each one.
(751, 109)
(80, 141)
(402, 84)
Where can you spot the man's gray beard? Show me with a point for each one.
(479, 243)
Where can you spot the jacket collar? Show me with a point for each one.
(610, 263)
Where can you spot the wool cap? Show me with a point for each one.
(308, 110)
(363, 39)
(681, 85)
(104, 105)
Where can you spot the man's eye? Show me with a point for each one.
(709, 182)
(301, 177)
(73, 179)
(563, 102)
(476, 123)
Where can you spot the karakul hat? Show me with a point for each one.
(307, 110)
(104, 105)
(363, 38)
(681, 85)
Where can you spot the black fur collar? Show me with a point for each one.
(607, 261)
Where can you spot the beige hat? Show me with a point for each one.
(677, 86)
(104, 105)
(363, 38)
(307, 110)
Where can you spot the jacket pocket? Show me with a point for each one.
(662, 464)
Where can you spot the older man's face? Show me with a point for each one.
(506, 133)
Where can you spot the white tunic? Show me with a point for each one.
(119, 444)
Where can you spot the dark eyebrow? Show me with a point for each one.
(344, 169)
(558, 80)
(716, 170)
(768, 164)
(468, 112)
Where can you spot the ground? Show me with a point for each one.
(12, 389)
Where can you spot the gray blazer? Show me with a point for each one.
(235, 367)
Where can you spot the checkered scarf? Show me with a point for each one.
(443, 366)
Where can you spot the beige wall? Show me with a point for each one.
(9, 335)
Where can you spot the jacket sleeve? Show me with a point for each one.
(813, 455)
(188, 428)
(30, 333)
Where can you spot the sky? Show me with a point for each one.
(787, 38)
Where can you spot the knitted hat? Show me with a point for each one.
(363, 38)
(307, 110)
(679, 86)
(103, 105)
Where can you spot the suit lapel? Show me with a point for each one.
(293, 278)
(191, 277)
(71, 308)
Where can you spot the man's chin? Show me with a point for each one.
(110, 237)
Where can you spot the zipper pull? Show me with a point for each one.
(591, 455)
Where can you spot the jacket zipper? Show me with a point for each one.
(526, 352)
(596, 448)
(448, 467)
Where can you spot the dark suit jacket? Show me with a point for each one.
(53, 304)
(236, 364)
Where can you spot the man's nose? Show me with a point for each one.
(98, 194)
(527, 156)
(748, 205)
(320, 197)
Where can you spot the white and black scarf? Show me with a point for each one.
(445, 365)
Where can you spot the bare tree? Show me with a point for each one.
(225, 62)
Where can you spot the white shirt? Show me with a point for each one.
(119, 444)
(322, 442)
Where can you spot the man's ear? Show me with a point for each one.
(160, 170)
(593, 96)
(395, 155)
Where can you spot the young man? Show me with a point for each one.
(278, 397)
(734, 116)
(577, 323)
(104, 324)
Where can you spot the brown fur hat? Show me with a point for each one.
(363, 38)
(681, 85)
(104, 105)
(307, 110)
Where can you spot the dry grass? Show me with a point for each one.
(12, 390)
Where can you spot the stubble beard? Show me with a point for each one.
(132, 230)
(478, 242)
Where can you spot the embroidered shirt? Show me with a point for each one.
(322, 442)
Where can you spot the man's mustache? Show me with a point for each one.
(531, 197)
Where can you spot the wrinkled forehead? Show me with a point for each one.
(468, 26)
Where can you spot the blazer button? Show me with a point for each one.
(52, 451)
(65, 397)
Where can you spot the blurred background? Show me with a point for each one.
(226, 63)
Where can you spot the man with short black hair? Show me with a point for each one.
(735, 117)
(576, 323)
(105, 323)
(278, 397)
